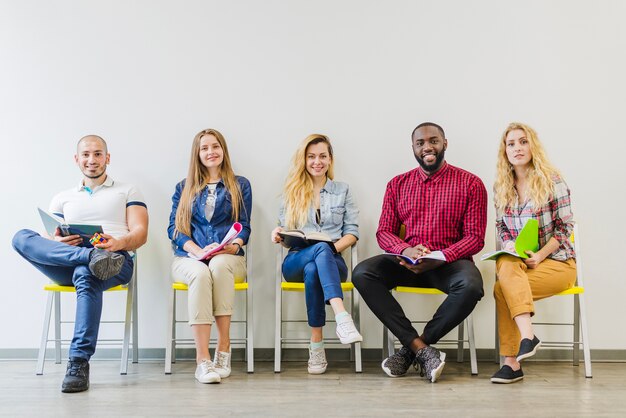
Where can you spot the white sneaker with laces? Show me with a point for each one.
(347, 332)
(222, 363)
(205, 372)
(317, 361)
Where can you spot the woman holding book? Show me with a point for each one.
(205, 206)
(527, 187)
(314, 203)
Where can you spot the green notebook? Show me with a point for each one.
(527, 240)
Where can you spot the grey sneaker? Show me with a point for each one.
(398, 364)
(76, 376)
(347, 332)
(431, 362)
(205, 372)
(317, 361)
(222, 363)
(105, 264)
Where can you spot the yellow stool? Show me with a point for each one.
(247, 341)
(54, 300)
(389, 342)
(282, 286)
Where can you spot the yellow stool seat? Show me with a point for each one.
(576, 290)
(419, 290)
(299, 287)
(184, 287)
(53, 287)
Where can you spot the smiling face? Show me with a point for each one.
(429, 147)
(318, 159)
(211, 153)
(518, 148)
(92, 157)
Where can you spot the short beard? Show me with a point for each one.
(431, 168)
(95, 177)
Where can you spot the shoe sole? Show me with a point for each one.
(311, 371)
(505, 381)
(74, 389)
(529, 354)
(107, 267)
(218, 380)
(351, 340)
(434, 375)
(388, 371)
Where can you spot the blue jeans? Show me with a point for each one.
(68, 265)
(322, 272)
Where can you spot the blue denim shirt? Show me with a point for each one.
(205, 232)
(339, 213)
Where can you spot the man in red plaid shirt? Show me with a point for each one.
(444, 211)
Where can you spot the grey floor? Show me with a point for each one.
(548, 390)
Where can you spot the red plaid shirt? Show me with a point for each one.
(446, 211)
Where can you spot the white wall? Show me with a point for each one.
(147, 75)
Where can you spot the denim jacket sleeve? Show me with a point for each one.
(178, 239)
(246, 210)
(351, 216)
(281, 214)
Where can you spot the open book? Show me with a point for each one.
(51, 222)
(435, 255)
(294, 238)
(527, 240)
(228, 239)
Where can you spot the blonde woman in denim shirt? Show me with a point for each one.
(204, 207)
(313, 202)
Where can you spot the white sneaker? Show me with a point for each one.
(347, 332)
(205, 372)
(222, 363)
(317, 361)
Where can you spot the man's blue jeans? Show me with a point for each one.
(322, 272)
(68, 265)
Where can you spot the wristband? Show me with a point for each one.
(238, 245)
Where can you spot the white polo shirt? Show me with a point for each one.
(104, 205)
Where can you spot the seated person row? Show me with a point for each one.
(203, 220)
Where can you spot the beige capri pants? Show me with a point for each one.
(211, 287)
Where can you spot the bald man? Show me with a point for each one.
(98, 200)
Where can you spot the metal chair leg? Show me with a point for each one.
(460, 342)
(170, 344)
(135, 318)
(44, 335)
(127, 325)
(585, 335)
(472, 345)
(249, 330)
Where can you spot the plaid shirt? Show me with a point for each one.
(446, 211)
(555, 220)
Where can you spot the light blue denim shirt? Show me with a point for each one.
(339, 213)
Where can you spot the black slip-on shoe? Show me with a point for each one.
(507, 375)
(528, 348)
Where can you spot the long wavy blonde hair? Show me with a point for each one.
(298, 190)
(540, 173)
(198, 177)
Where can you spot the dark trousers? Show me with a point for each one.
(460, 280)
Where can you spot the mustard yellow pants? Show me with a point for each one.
(517, 287)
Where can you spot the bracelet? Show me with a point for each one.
(238, 245)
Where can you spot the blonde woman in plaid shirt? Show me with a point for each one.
(528, 186)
